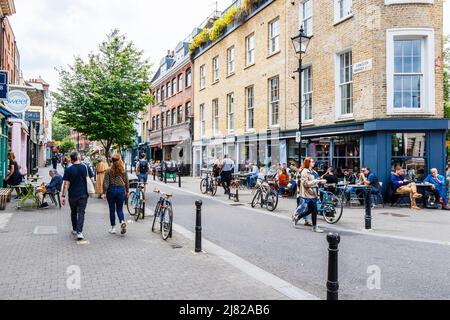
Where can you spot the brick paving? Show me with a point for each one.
(139, 266)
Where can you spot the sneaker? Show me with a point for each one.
(316, 229)
(45, 205)
(445, 207)
(415, 208)
(80, 236)
(308, 224)
(294, 220)
(74, 233)
(123, 228)
(113, 230)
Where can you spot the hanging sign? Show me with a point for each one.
(18, 101)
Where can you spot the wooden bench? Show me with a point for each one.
(5, 197)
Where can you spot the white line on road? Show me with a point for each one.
(327, 227)
(4, 219)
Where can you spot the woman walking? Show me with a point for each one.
(116, 190)
(307, 192)
(101, 169)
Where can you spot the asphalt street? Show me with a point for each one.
(407, 269)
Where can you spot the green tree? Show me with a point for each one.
(59, 129)
(102, 97)
(67, 145)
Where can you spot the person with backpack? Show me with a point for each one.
(143, 170)
(76, 187)
(307, 194)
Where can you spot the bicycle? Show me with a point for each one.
(136, 202)
(163, 215)
(265, 196)
(209, 184)
(330, 206)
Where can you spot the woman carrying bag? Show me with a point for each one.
(116, 190)
(307, 195)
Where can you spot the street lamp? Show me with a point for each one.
(301, 43)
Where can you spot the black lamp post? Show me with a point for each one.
(162, 108)
(301, 43)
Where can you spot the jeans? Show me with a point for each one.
(226, 180)
(441, 192)
(312, 211)
(116, 199)
(308, 217)
(251, 181)
(78, 212)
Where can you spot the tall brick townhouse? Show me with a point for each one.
(372, 84)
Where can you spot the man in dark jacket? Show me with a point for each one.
(53, 187)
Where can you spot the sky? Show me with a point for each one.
(49, 33)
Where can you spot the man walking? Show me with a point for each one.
(75, 183)
(227, 173)
(142, 170)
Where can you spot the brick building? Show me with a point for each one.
(371, 79)
(171, 88)
(8, 48)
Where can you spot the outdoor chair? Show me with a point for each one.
(398, 199)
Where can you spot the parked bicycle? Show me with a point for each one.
(266, 196)
(209, 184)
(163, 215)
(330, 206)
(136, 202)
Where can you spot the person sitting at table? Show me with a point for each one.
(254, 170)
(404, 186)
(439, 187)
(369, 179)
(283, 181)
(349, 178)
(53, 187)
(330, 176)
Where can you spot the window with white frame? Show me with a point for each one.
(231, 61)
(157, 122)
(174, 87)
(188, 78)
(168, 119)
(274, 100)
(410, 71)
(180, 114)
(202, 120)
(163, 93)
(250, 49)
(274, 36)
(157, 96)
(180, 82)
(230, 111)
(187, 111)
(215, 67)
(202, 77)
(342, 9)
(174, 117)
(306, 15)
(345, 84)
(215, 113)
(250, 97)
(168, 94)
(307, 94)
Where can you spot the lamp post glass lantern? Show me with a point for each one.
(300, 43)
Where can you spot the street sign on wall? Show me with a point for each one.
(33, 116)
(3, 85)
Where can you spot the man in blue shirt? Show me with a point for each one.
(54, 186)
(404, 186)
(439, 187)
(75, 183)
(254, 177)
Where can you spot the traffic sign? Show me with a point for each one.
(3, 85)
(298, 137)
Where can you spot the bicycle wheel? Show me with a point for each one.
(256, 199)
(131, 203)
(156, 218)
(204, 186)
(333, 209)
(272, 201)
(166, 222)
(213, 188)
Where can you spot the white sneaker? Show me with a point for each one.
(74, 233)
(113, 230)
(80, 236)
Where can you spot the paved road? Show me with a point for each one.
(409, 270)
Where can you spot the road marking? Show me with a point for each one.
(327, 227)
(250, 269)
(4, 219)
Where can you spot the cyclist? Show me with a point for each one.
(142, 170)
(307, 191)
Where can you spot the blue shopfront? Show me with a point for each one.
(418, 145)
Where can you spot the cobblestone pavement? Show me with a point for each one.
(138, 266)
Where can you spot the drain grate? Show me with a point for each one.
(45, 231)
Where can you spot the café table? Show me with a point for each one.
(423, 188)
(27, 193)
(342, 190)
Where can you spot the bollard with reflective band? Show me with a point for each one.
(198, 227)
(333, 283)
(368, 201)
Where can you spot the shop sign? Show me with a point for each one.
(33, 116)
(18, 101)
(362, 66)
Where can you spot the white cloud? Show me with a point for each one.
(50, 33)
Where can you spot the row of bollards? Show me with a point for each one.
(368, 202)
(333, 263)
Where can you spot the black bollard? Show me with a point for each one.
(368, 201)
(154, 175)
(198, 227)
(333, 283)
(165, 177)
(179, 179)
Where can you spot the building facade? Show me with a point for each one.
(172, 89)
(371, 84)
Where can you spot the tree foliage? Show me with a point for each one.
(67, 145)
(59, 129)
(101, 98)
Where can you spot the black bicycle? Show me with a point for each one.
(265, 196)
(163, 215)
(209, 184)
(136, 202)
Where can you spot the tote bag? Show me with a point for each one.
(89, 184)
